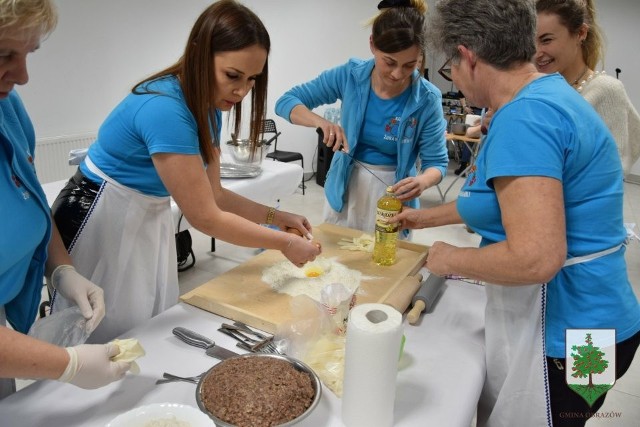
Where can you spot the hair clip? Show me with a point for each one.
(385, 4)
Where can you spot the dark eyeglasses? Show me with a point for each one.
(445, 70)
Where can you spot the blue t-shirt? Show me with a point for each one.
(24, 226)
(378, 143)
(549, 130)
(140, 126)
(24, 215)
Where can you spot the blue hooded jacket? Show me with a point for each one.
(422, 125)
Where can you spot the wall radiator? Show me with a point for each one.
(52, 155)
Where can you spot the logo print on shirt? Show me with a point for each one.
(18, 184)
(409, 130)
(391, 129)
(471, 175)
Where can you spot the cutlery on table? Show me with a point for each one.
(197, 340)
(169, 378)
(242, 333)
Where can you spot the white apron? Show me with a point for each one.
(362, 196)
(126, 245)
(516, 392)
(7, 385)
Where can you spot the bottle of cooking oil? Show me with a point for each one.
(384, 249)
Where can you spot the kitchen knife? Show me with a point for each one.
(197, 340)
(341, 149)
(425, 297)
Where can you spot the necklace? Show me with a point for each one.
(575, 82)
(584, 82)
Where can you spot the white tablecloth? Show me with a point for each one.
(439, 380)
(277, 180)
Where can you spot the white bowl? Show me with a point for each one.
(159, 411)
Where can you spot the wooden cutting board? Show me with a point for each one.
(240, 294)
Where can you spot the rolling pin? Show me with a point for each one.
(401, 297)
(425, 297)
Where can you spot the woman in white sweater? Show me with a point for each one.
(569, 42)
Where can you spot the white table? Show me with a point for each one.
(277, 180)
(439, 380)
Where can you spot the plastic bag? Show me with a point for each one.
(77, 155)
(65, 328)
(316, 333)
(337, 301)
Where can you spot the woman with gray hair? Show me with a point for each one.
(546, 197)
(30, 245)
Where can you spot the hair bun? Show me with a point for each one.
(385, 4)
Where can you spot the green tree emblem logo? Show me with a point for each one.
(588, 361)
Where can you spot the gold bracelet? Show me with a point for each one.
(270, 215)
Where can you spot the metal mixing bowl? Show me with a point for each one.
(241, 151)
(459, 128)
(297, 364)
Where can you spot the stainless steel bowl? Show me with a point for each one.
(459, 128)
(241, 151)
(297, 364)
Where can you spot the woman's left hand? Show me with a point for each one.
(409, 188)
(285, 220)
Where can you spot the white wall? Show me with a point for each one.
(620, 20)
(101, 48)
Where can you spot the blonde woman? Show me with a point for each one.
(569, 42)
(30, 244)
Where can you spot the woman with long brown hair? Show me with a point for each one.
(163, 140)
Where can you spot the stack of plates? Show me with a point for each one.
(235, 170)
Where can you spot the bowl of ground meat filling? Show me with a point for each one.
(258, 390)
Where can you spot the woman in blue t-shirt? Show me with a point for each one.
(30, 245)
(163, 140)
(390, 117)
(546, 195)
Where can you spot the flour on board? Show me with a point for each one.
(309, 280)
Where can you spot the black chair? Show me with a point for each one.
(269, 126)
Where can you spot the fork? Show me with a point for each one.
(239, 333)
(167, 378)
(247, 329)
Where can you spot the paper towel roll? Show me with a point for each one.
(374, 334)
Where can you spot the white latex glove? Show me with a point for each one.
(90, 366)
(75, 287)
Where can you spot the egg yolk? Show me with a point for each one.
(313, 271)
